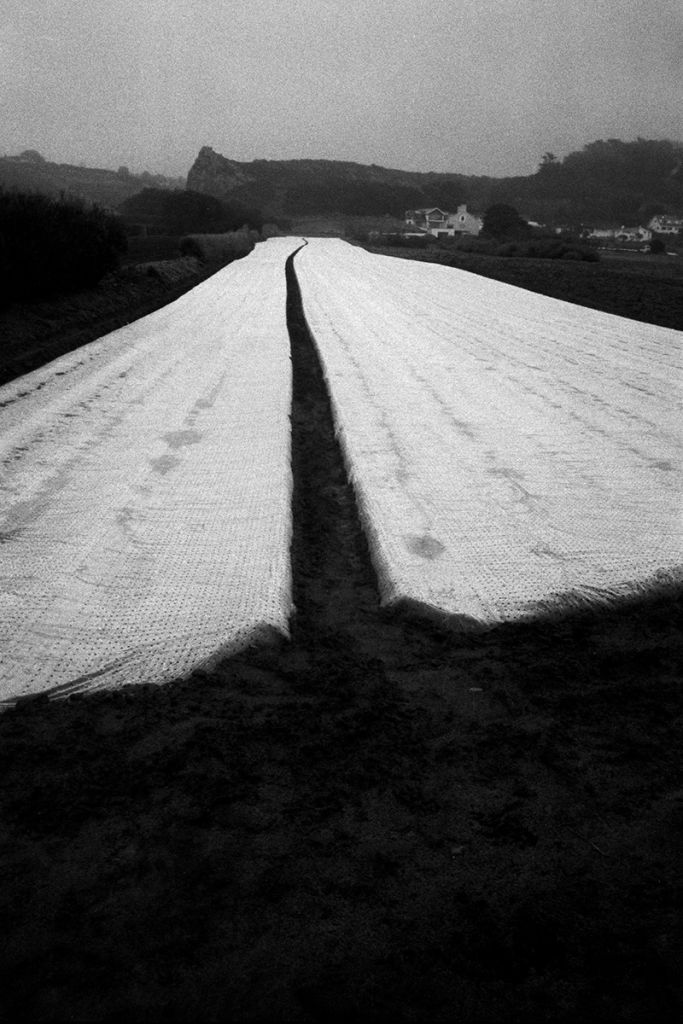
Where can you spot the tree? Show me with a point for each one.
(53, 246)
(183, 211)
(187, 211)
(503, 221)
(32, 156)
(145, 207)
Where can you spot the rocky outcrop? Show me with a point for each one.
(305, 187)
(215, 175)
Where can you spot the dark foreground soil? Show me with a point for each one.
(649, 289)
(380, 820)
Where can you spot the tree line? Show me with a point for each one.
(183, 211)
(51, 246)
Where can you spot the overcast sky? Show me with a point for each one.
(472, 86)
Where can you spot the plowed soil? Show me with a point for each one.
(380, 820)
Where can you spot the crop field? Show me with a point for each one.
(645, 288)
(511, 453)
(357, 582)
(147, 495)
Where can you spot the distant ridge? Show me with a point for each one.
(310, 187)
(606, 181)
(30, 172)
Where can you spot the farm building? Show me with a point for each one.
(443, 224)
(662, 224)
(633, 234)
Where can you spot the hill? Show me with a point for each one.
(607, 180)
(30, 172)
(313, 187)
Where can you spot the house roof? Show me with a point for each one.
(431, 209)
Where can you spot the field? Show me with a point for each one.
(146, 477)
(498, 440)
(379, 820)
(35, 333)
(641, 287)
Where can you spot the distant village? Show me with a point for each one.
(444, 224)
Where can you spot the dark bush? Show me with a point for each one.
(143, 248)
(508, 249)
(182, 212)
(406, 241)
(54, 246)
(190, 246)
(657, 246)
(503, 221)
(469, 244)
(220, 249)
(549, 249)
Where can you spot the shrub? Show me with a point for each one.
(402, 241)
(53, 246)
(182, 212)
(470, 244)
(503, 221)
(549, 249)
(509, 249)
(143, 248)
(220, 249)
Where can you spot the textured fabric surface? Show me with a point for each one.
(511, 453)
(145, 493)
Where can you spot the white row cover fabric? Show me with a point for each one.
(145, 491)
(512, 454)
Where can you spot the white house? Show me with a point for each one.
(663, 224)
(603, 233)
(430, 219)
(633, 234)
(443, 224)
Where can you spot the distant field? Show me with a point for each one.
(641, 287)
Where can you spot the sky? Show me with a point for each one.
(467, 86)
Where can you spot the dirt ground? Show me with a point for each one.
(381, 820)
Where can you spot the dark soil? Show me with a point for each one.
(648, 289)
(380, 820)
(32, 334)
